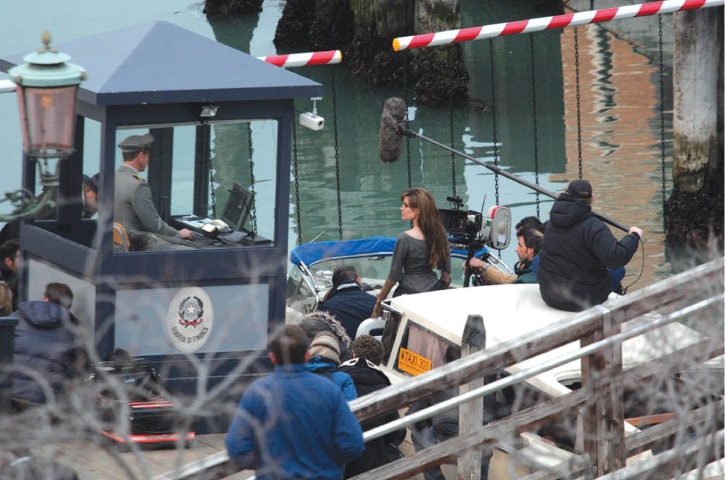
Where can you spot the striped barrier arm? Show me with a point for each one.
(549, 23)
(328, 57)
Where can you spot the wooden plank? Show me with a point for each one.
(604, 418)
(470, 415)
(644, 440)
(674, 462)
(485, 436)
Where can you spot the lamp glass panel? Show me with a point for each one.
(48, 119)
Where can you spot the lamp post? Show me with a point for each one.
(47, 89)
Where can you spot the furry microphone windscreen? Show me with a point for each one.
(390, 140)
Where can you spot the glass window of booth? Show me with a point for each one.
(217, 181)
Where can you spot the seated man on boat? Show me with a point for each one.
(579, 252)
(347, 300)
(530, 241)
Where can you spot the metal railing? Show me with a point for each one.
(694, 293)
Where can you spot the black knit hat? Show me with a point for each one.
(580, 189)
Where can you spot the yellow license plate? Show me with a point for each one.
(412, 363)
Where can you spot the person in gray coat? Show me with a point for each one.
(133, 206)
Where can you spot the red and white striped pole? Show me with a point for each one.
(328, 57)
(549, 23)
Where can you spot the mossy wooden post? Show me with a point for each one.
(604, 417)
(470, 415)
(694, 213)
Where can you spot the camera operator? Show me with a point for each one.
(530, 241)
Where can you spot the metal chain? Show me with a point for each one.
(212, 192)
(662, 118)
(536, 127)
(407, 149)
(493, 112)
(250, 146)
(451, 133)
(337, 157)
(578, 101)
(296, 170)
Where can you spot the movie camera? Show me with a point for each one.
(470, 230)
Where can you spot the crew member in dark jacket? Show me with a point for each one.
(347, 300)
(48, 345)
(578, 249)
(367, 355)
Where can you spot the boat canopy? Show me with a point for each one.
(378, 246)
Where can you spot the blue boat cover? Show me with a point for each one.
(312, 253)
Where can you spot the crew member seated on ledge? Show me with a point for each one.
(133, 206)
(579, 251)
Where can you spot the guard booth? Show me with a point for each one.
(222, 122)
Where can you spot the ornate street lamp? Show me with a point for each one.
(47, 88)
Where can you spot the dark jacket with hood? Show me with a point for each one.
(578, 249)
(368, 378)
(47, 343)
(350, 305)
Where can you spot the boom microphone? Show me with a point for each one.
(390, 144)
(390, 138)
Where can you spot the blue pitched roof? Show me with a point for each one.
(160, 62)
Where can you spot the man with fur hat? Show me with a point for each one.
(319, 321)
(292, 423)
(324, 357)
(578, 250)
(133, 206)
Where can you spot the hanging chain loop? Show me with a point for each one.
(534, 114)
(212, 191)
(662, 119)
(337, 157)
(296, 170)
(578, 102)
(252, 181)
(450, 126)
(493, 112)
(407, 149)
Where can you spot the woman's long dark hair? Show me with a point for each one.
(429, 221)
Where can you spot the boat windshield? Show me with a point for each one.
(422, 350)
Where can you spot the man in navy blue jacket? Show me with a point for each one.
(347, 301)
(578, 251)
(48, 353)
(292, 423)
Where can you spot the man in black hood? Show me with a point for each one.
(48, 353)
(578, 250)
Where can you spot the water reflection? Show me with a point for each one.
(537, 131)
